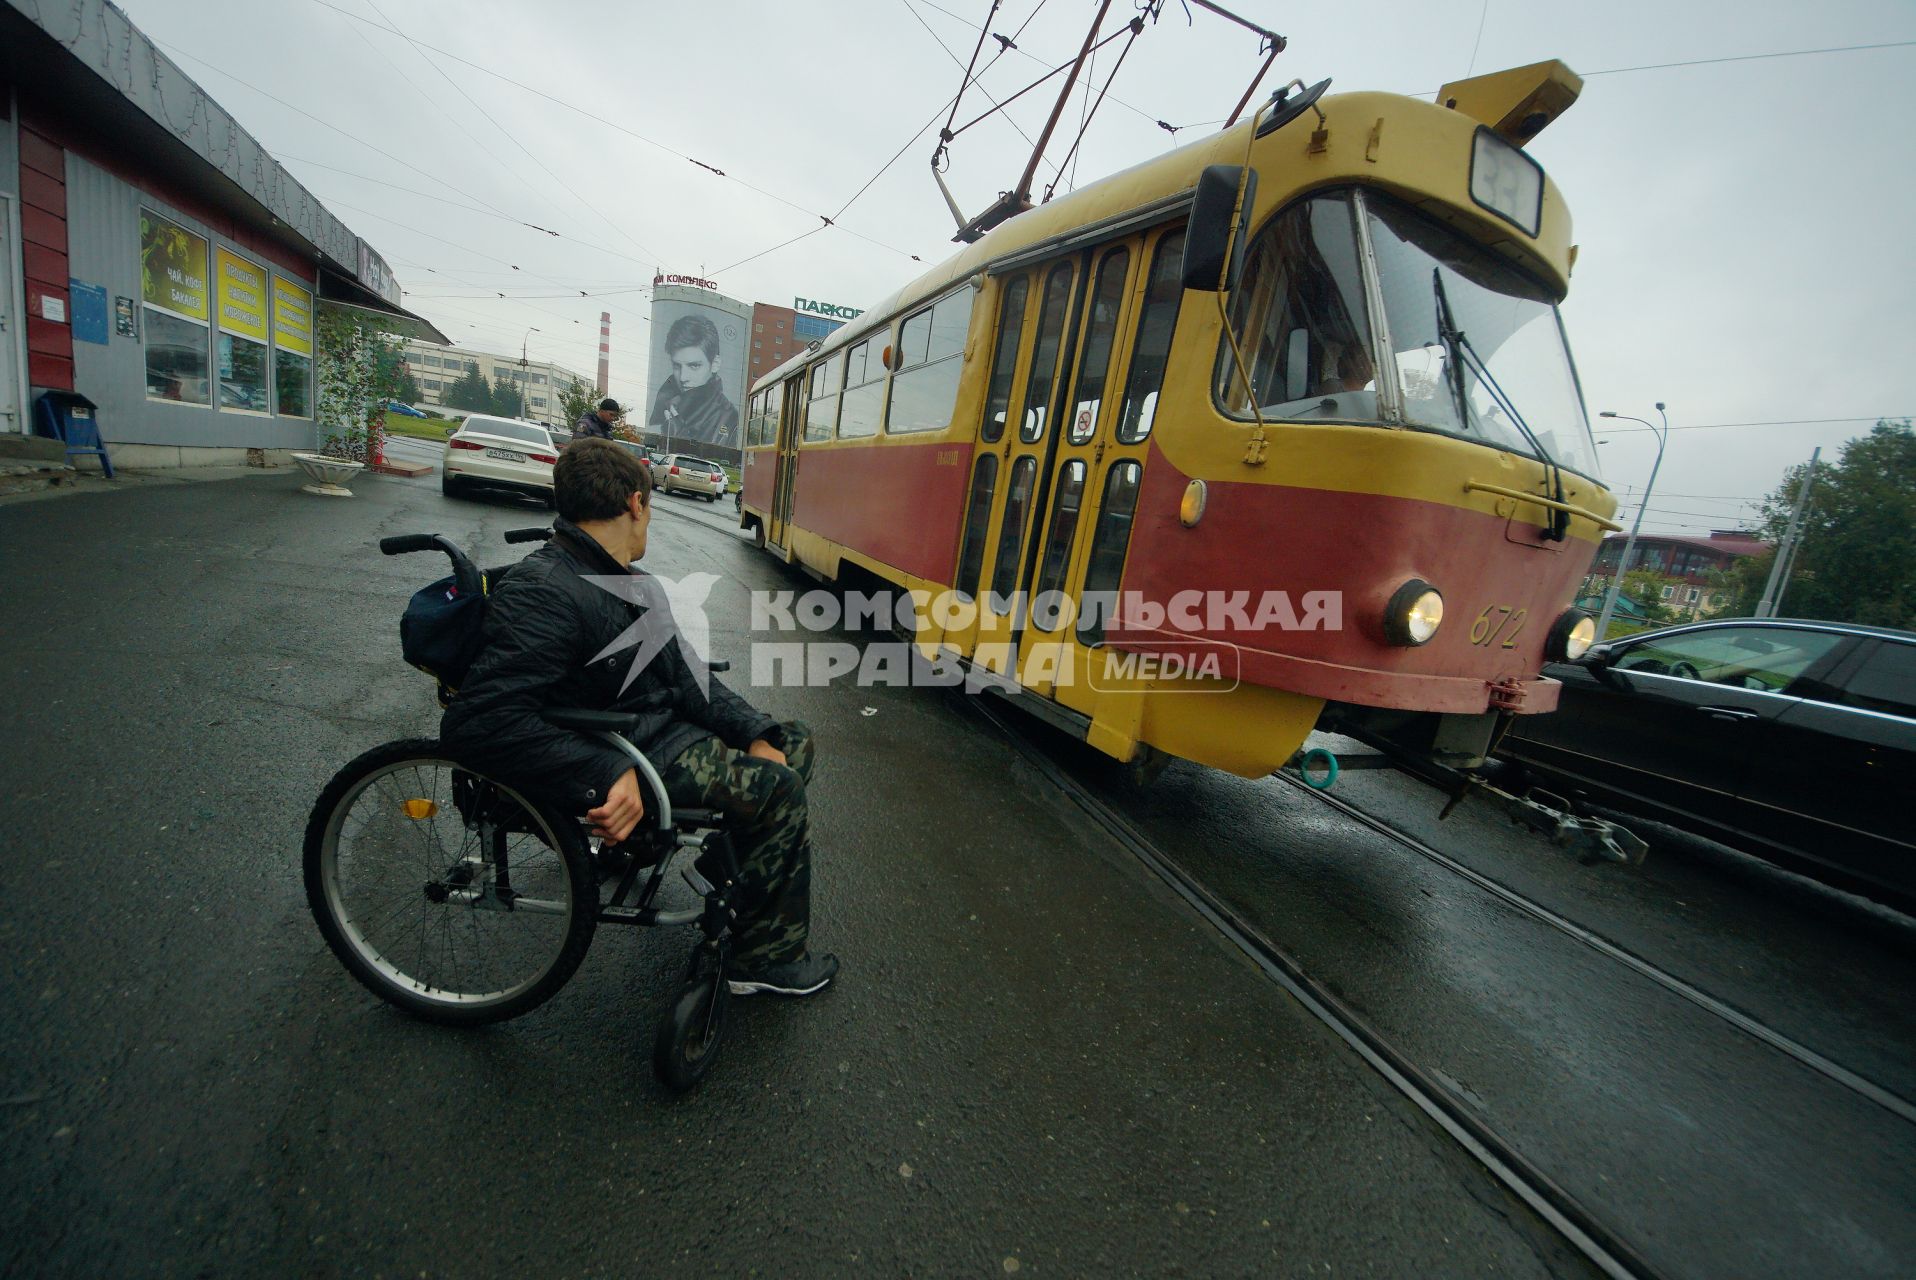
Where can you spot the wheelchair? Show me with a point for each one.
(462, 901)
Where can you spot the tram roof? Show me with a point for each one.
(1158, 187)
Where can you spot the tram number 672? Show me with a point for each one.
(1508, 622)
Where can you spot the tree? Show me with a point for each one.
(407, 391)
(470, 392)
(1856, 561)
(1644, 588)
(577, 400)
(507, 400)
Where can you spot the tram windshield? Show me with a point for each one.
(1305, 329)
(1508, 322)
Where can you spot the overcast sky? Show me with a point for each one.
(1743, 224)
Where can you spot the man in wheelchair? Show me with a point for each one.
(549, 642)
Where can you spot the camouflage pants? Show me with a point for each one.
(770, 825)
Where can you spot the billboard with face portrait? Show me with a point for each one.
(698, 369)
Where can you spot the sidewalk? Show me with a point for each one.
(29, 482)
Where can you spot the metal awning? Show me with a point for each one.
(338, 290)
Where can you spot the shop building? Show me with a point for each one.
(154, 257)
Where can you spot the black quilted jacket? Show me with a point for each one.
(544, 626)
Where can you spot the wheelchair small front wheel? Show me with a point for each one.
(691, 1034)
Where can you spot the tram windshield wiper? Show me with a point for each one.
(1459, 354)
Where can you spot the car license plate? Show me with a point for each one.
(505, 455)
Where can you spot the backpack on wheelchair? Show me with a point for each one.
(461, 900)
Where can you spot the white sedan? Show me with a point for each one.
(500, 453)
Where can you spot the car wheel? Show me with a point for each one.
(448, 486)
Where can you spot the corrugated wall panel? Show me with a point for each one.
(43, 213)
(103, 228)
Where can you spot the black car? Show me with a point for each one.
(1793, 740)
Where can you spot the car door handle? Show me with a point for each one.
(1728, 713)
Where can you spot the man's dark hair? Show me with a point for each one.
(594, 477)
(693, 331)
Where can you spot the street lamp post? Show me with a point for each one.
(525, 399)
(1630, 544)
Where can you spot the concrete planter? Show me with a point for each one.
(328, 476)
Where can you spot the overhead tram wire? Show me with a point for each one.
(615, 125)
(429, 195)
(510, 136)
(998, 108)
(244, 84)
(930, 4)
(490, 209)
(501, 296)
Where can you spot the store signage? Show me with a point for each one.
(241, 287)
(831, 309)
(172, 267)
(292, 317)
(692, 282)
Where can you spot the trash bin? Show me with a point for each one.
(69, 417)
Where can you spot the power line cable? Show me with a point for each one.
(1751, 57)
(1710, 62)
(508, 134)
(615, 125)
(1781, 422)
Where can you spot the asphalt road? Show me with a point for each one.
(1037, 1060)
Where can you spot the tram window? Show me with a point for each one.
(1151, 351)
(1044, 361)
(822, 413)
(1300, 319)
(1011, 530)
(1106, 301)
(931, 364)
(1064, 527)
(971, 557)
(864, 401)
(1004, 359)
(1108, 542)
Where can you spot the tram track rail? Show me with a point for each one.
(1860, 1085)
(1562, 1211)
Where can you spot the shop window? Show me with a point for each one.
(174, 294)
(292, 349)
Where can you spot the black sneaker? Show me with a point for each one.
(801, 977)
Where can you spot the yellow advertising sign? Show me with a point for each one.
(292, 317)
(172, 267)
(242, 295)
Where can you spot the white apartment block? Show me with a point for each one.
(437, 368)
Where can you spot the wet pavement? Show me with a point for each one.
(1038, 1060)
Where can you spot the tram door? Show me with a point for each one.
(1078, 404)
(790, 416)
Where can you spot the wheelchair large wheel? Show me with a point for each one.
(446, 893)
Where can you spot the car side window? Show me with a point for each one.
(1766, 659)
(1886, 681)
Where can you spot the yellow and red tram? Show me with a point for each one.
(1356, 487)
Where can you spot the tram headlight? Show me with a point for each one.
(1570, 637)
(1414, 613)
